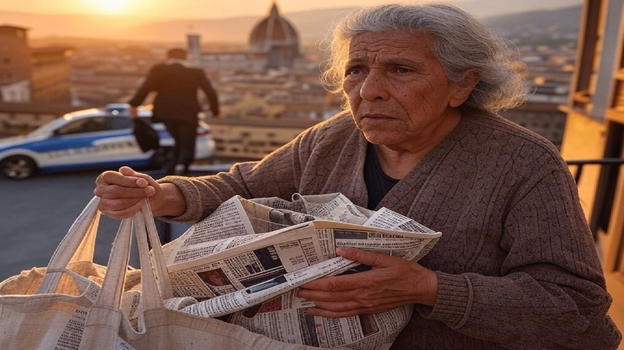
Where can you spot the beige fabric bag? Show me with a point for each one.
(159, 328)
(52, 319)
(39, 308)
(85, 228)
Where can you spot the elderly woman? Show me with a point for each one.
(516, 265)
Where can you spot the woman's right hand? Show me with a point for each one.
(123, 191)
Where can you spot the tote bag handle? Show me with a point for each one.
(158, 258)
(77, 245)
(155, 281)
(102, 326)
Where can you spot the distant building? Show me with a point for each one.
(273, 44)
(193, 44)
(27, 74)
(271, 81)
(15, 60)
(246, 139)
(218, 64)
(50, 81)
(18, 92)
(20, 118)
(107, 73)
(99, 85)
(542, 117)
(15, 64)
(275, 40)
(34, 83)
(548, 73)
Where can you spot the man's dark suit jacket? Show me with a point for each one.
(176, 87)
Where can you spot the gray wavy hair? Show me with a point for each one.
(461, 43)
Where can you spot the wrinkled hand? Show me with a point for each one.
(390, 283)
(123, 191)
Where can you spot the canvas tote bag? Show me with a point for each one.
(159, 328)
(80, 239)
(43, 308)
(52, 319)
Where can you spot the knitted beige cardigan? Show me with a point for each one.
(516, 263)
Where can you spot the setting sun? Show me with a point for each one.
(109, 6)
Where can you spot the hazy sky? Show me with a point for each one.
(179, 8)
(230, 8)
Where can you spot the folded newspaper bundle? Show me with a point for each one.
(248, 257)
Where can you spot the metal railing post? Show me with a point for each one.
(602, 202)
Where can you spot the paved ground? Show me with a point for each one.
(36, 213)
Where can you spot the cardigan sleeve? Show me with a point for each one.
(550, 292)
(276, 175)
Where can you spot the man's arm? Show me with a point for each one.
(210, 92)
(148, 85)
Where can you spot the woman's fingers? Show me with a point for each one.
(117, 178)
(122, 213)
(118, 204)
(149, 180)
(119, 192)
(122, 191)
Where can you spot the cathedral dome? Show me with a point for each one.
(276, 38)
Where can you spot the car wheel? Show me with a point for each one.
(18, 167)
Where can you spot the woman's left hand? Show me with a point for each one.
(390, 283)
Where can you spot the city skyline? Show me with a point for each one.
(175, 9)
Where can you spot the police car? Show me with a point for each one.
(91, 138)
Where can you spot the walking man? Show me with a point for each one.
(176, 104)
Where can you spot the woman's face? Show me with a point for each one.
(397, 90)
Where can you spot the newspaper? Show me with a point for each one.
(247, 259)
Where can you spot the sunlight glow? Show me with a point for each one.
(110, 7)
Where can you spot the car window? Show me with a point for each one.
(46, 129)
(83, 126)
(118, 123)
